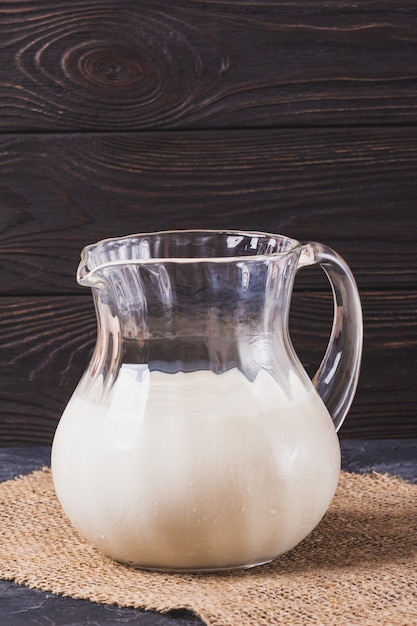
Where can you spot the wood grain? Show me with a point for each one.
(46, 342)
(101, 65)
(355, 191)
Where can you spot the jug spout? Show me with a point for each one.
(110, 253)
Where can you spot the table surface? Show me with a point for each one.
(20, 606)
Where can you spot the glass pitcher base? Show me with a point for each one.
(198, 570)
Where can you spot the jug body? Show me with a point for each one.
(195, 439)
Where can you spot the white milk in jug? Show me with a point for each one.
(196, 470)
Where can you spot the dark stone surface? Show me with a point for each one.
(20, 461)
(397, 457)
(20, 606)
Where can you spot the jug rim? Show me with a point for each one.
(88, 267)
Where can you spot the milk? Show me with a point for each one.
(196, 470)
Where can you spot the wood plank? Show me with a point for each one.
(353, 190)
(100, 65)
(45, 344)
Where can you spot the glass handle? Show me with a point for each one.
(337, 377)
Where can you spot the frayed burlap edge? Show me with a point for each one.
(357, 567)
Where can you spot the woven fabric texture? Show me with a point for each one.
(358, 567)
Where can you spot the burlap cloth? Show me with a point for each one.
(358, 567)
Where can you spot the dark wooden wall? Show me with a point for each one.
(116, 117)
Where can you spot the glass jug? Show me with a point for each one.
(195, 439)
